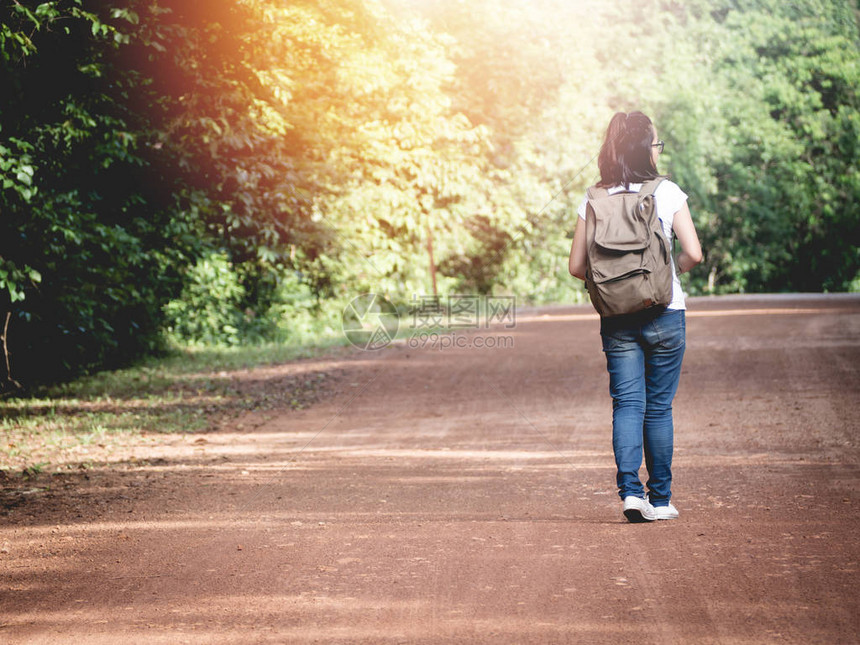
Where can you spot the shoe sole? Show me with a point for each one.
(634, 516)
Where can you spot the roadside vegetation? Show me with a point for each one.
(85, 422)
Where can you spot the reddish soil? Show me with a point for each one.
(466, 495)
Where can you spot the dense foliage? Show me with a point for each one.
(232, 170)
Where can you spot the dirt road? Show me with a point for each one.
(465, 495)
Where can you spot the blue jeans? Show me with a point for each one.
(643, 357)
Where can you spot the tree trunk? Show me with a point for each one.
(432, 263)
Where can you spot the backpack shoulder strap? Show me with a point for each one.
(649, 187)
(595, 192)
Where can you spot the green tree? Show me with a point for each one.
(761, 126)
(264, 161)
(81, 216)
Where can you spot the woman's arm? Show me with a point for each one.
(576, 264)
(685, 230)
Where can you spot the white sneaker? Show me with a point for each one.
(666, 512)
(637, 509)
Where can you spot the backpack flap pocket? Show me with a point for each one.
(621, 231)
(639, 271)
(624, 294)
(610, 267)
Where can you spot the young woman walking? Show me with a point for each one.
(644, 350)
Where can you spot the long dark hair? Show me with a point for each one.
(625, 156)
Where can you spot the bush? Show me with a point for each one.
(208, 309)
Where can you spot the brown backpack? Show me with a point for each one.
(629, 265)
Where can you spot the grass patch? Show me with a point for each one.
(88, 419)
(94, 418)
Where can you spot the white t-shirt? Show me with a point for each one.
(669, 199)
